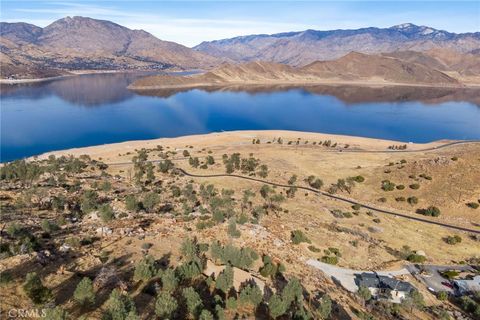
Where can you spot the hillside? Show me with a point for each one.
(139, 227)
(354, 67)
(302, 48)
(84, 43)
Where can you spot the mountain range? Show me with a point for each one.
(81, 43)
(403, 54)
(301, 48)
(352, 68)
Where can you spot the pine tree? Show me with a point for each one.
(166, 305)
(84, 292)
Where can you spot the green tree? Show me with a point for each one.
(35, 290)
(276, 306)
(325, 307)
(84, 293)
(120, 307)
(364, 293)
(225, 280)
(56, 313)
(193, 301)
(166, 305)
(169, 280)
(251, 294)
(89, 201)
(145, 269)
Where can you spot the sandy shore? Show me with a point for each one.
(232, 138)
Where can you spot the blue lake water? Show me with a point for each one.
(98, 109)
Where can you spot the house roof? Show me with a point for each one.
(373, 280)
(468, 285)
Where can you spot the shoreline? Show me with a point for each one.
(302, 83)
(226, 137)
(74, 73)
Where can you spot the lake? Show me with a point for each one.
(98, 109)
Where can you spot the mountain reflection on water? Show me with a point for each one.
(96, 109)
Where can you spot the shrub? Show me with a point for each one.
(412, 200)
(166, 305)
(106, 213)
(356, 207)
(150, 200)
(387, 185)
(35, 290)
(205, 315)
(325, 307)
(442, 295)
(298, 237)
(84, 292)
(453, 239)
(431, 211)
(358, 179)
(416, 258)
(400, 199)
(364, 293)
(414, 186)
(49, 226)
(131, 203)
(473, 205)
(232, 229)
(330, 259)
(89, 201)
(400, 187)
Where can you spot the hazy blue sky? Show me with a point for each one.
(190, 23)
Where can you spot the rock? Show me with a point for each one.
(104, 231)
(65, 248)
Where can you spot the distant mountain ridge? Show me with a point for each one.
(74, 43)
(353, 68)
(304, 47)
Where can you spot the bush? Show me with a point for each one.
(84, 292)
(442, 295)
(414, 186)
(387, 185)
(276, 306)
(400, 187)
(166, 305)
(330, 259)
(453, 239)
(416, 258)
(473, 205)
(356, 207)
(251, 294)
(106, 213)
(298, 237)
(358, 179)
(131, 203)
(169, 280)
(49, 226)
(412, 200)
(150, 200)
(431, 211)
(35, 290)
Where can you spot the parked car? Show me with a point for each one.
(447, 284)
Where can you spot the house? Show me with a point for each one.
(467, 286)
(384, 287)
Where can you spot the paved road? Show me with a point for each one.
(432, 278)
(346, 277)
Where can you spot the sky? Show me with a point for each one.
(190, 23)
